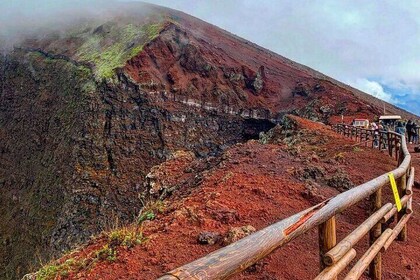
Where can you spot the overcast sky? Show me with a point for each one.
(372, 45)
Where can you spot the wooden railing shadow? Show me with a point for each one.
(334, 257)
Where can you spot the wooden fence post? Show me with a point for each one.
(402, 185)
(389, 144)
(401, 156)
(327, 239)
(375, 268)
(367, 138)
(363, 136)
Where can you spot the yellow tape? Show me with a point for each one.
(395, 191)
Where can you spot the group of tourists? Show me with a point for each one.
(410, 129)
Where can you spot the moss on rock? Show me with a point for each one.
(110, 48)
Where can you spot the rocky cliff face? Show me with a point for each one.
(85, 116)
(41, 104)
(75, 151)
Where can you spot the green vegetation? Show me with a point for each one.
(150, 210)
(51, 271)
(110, 50)
(106, 253)
(125, 238)
(72, 265)
(339, 157)
(357, 149)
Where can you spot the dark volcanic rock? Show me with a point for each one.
(236, 233)
(340, 181)
(302, 90)
(208, 238)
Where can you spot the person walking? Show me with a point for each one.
(408, 128)
(400, 129)
(375, 129)
(415, 133)
(384, 139)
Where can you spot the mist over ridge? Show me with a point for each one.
(23, 19)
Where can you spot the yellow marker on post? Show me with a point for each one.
(395, 191)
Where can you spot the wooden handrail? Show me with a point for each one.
(332, 271)
(348, 242)
(397, 229)
(237, 256)
(366, 259)
(391, 213)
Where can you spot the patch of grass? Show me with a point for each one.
(51, 271)
(357, 149)
(126, 237)
(106, 253)
(227, 176)
(150, 210)
(152, 30)
(339, 157)
(111, 50)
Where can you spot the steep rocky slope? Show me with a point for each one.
(217, 200)
(87, 111)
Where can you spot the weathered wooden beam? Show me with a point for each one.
(396, 231)
(410, 182)
(327, 239)
(168, 277)
(409, 209)
(359, 268)
(393, 210)
(338, 252)
(332, 272)
(409, 191)
(402, 186)
(375, 267)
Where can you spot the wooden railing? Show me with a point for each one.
(334, 257)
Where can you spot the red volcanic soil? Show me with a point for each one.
(257, 184)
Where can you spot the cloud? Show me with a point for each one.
(373, 88)
(20, 18)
